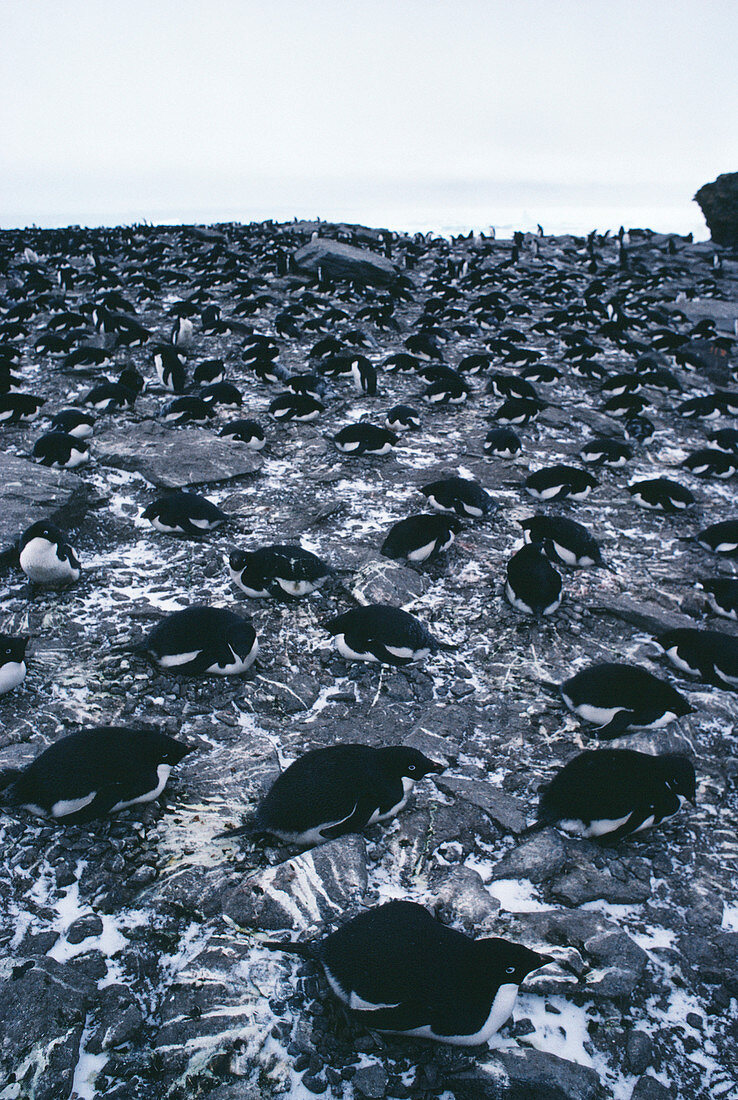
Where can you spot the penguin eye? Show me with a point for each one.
(509, 969)
(411, 767)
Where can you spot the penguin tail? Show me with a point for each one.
(446, 647)
(534, 828)
(8, 777)
(550, 688)
(304, 950)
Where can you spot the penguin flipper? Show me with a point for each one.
(615, 727)
(355, 822)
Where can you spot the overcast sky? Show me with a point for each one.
(463, 110)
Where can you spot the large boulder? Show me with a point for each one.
(29, 492)
(719, 203)
(343, 261)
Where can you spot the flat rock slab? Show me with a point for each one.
(343, 261)
(503, 808)
(29, 492)
(172, 458)
(524, 1074)
(314, 887)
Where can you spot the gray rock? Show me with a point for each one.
(621, 960)
(79, 930)
(591, 884)
(537, 860)
(343, 261)
(648, 1088)
(173, 458)
(718, 202)
(29, 492)
(638, 1051)
(193, 890)
(503, 808)
(310, 889)
(460, 896)
(527, 1075)
(383, 581)
(370, 1081)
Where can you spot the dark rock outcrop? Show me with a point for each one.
(719, 204)
(29, 492)
(343, 261)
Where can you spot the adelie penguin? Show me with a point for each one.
(559, 482)
(720, 538)
(182, 513)
(533, 586)
(710, 462)
(722, 595)
(188, 409)
(612, 793)
(402, 418)
(12, 662)
(280, 571)
(93, 773)
(46, 557)
(501, 443)
(18, 407)
(249, 432)
(463, 497)
(617, 697)
(74, 422)
(296, 406)
(382, 633)
(709, 655)
(365, 439)
(169, 364)
(60, 450)
(606, 451)
(203, 641)
(399, 970)
(421, 538)
(660, 494)
(340, 789)
(563, 540)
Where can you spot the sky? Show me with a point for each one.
(406, 113)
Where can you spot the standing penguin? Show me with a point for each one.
(46, 557)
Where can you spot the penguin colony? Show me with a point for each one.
(362, 373)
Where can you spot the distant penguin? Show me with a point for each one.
(617, 697)
(188, 410)
(606, 451)
(518, 410)
(182, 331)
(280, 570)
(94, 772)
(661, 494)
(46, 557)
(181, 513)
(421, 538)
(12, 662)
(563, 540)
(501, 443)
(364, 375)
(402, 418)
(720, 538)
(460, 495)
(710, 462)
(296, 406)
(399, 970)
(381, 633)
(365, 439)
(639, 428)
(725, 439)
(249, 432)
(221, 393)
(60, 450)
(169, 366)
(18, 407)
(74, 422)
(208, 371)
(203, 641)
(722, 595)
(612, 793)
(341, 789)
(559, 482)
(533, 586)
(708, 655)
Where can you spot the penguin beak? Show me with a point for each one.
(545, 960)
(437, 768)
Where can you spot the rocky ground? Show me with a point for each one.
(133, 963)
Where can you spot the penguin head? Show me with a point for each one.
(403, 760)
(42, 530)
(12, 648)
(240, 638)
(506, 962)
(679, 776)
